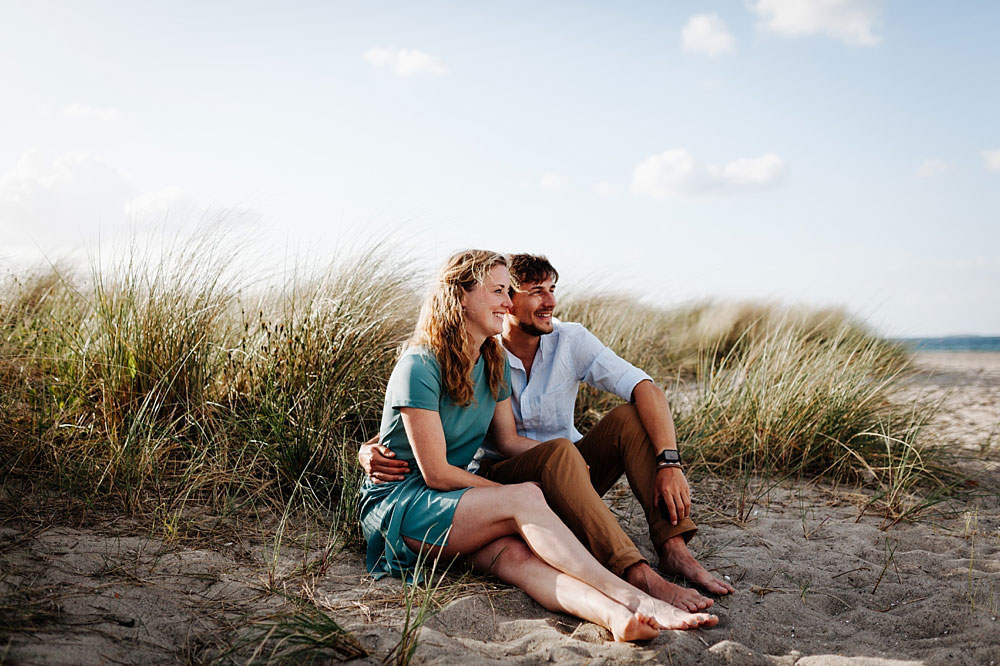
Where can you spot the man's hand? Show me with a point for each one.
(379, 463)
(673, 493)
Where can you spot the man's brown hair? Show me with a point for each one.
(525, 268)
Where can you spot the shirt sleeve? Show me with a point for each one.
(602, 368)
(415, 382)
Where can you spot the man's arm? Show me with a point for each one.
(654, 412)
(600, 367)
(379, 462)
(671, 487)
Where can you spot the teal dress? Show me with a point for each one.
(390, 511)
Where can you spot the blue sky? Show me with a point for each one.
(840, 152)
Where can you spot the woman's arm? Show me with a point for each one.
(423, 429)
(503, 431)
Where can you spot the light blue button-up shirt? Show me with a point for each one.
(543, 404)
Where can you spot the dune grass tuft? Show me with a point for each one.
(306, 635)
(171, 376)
(760, 389)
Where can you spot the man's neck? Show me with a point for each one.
(520, 344)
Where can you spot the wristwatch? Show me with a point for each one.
(668, 458)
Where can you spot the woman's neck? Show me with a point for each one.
(475, 345)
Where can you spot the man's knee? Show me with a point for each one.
(561, 469)
(560, 451)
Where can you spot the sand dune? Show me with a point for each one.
(818, 581)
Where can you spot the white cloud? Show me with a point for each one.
(82, 111)
(850, 21)
(677, 173)
(410, 62)
(405, 62)
(670, 173)
(160, 205)
(379, 57)
(749, 171)
(55, 204)
(53, 196)
(992, 159)
(552, 181)
(708, 34)
(606, 189)
(932, 167)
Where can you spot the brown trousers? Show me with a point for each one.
(617, 444)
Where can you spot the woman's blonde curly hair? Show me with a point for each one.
(441, 325)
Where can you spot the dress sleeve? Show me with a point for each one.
(415, 382)
(505, 390)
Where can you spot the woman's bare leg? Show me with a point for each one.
(510, 560)
(484, 515)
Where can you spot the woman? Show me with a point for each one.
(448, 389)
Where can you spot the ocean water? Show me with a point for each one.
(954, 343)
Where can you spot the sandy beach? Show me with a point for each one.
(820, 580)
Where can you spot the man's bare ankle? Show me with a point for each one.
(637, 570)
(674, 547)
(677, 560)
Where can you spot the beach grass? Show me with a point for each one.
(306, 634)
(766, 390)
(171, 377)
(165, 379)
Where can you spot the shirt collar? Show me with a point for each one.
(545, 343)
(516, 363)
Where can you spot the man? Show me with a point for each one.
(548, 359)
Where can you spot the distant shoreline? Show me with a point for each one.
(953, 343)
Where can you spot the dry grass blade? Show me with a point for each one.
(304, 636)
(420, 603)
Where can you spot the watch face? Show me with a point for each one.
(669, 456)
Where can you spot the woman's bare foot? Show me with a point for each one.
(629, 626)
(675, 558)
(642, 576)
(669, 617)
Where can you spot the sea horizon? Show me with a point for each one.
(980, 343)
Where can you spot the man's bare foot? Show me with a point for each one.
(629, 626)
(642, 576)
(675, 558)
(669, 617)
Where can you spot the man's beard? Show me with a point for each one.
(531, 329)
